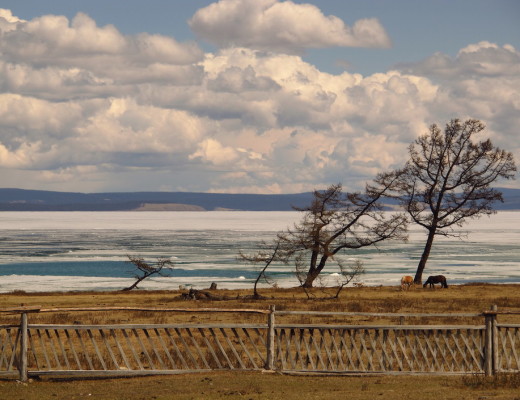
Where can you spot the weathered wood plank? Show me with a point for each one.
(261, 354)
(197, 348)
(144, 309)
(44, 349)
(221, 349)
(31, 350)
(62, 348)
(243, 346)
(84, 349)
(210, 348)
(146, 326)
(392, 315)
(187, 348)
(143, 348)
(23, 347)
(109, 348)
(122, 353)
(53, 349)
(176, 348)
(130, 345)
(96, 349)
(154, 349)
(232, 348)
(381, 327)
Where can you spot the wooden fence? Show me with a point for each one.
(144, 349)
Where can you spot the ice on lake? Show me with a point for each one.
(42, 251)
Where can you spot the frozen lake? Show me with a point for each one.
(43, 251)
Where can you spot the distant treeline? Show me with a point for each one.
(40, 200)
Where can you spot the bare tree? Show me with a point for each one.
(144, 270)
(336, 222)
(447, 180)
(348, 273)
(266, 256)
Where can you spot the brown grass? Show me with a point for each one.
(257, 386)
(473, 298)
(245, 385)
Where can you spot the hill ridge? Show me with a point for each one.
(12, 199)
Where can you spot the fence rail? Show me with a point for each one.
(143, 349)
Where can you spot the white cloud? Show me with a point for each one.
(53, 40)
(473, 61)
(235, 79)
(482, 81)
(282, 26)
(210, 150)
(8, 21)
(145, 112)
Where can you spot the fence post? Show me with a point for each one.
(22, 366)
(270, 339)
(491, 349)
(494, 330)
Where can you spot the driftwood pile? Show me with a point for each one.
(194, 294)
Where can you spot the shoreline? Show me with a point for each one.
(118, 284)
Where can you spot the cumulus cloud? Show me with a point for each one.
(478, 60)
(482, 81)
(8, 21)
(55, 58)
(145, 112)
(54, 40)
(282, 26)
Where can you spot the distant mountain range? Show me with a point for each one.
(39, 200)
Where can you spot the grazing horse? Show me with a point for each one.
(406, 281)
(432, 280)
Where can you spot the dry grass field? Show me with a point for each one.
(257, 385)
(249, 385)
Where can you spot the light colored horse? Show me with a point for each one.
(406, 282)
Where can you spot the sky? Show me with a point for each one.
(245, 96)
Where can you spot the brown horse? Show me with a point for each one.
(432, 280)
(406, 282)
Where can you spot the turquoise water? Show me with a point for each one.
(88, 250)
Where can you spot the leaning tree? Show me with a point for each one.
(144, 270)
(335, 222)
(265, 256)
(447, 180)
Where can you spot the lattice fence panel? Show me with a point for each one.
(380, 349)
(508, 352)
(9, 338)
(145, 348)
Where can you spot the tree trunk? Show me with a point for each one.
(314, 272)
(137, 282)
(311, 276)
(424, 257)
(255, 290)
